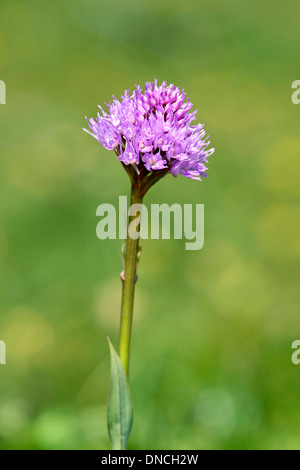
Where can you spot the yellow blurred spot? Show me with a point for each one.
(277, 231)
(26, 333)
(216, 412)
(43, 164)
(107, 304)
(13, 417)
(283, 167)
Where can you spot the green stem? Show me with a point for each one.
(129, 278)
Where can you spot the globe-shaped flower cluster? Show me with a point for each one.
(151, 132)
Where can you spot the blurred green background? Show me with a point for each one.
(211, 355)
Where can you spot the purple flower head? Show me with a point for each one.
(151, 133)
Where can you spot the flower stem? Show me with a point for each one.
(129, 279)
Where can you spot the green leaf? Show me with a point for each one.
(120, 410)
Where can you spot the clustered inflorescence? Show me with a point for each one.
(152, 132)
